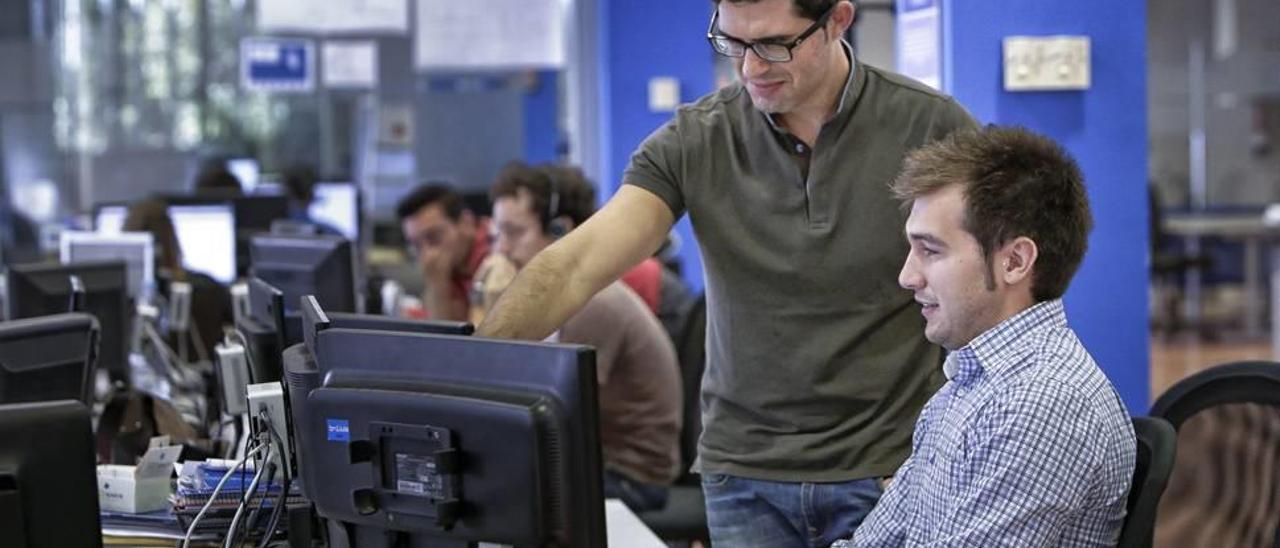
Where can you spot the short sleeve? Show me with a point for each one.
(656, 166)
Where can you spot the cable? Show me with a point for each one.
(165, 369)
(245, 494)
(283, 498)
(186, 540)
(247, 524)
(202, 353)
(253, 486)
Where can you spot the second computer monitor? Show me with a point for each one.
(45, 289)
(48, 358)
(306, 265)
(207, 235)
(134, 248)
(337, 205)
(263, 330)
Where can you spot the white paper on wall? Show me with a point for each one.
(334, 16)
(489, 34)
(350, 63)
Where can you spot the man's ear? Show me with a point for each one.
(1018, 260)
(842, 17)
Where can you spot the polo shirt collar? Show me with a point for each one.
(848, 97)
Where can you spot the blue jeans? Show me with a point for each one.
(743, 512)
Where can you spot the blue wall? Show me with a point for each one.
(643, 40)
(1105, 128)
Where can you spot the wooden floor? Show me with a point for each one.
(1176, 357)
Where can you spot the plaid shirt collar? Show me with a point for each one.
(1002, 346)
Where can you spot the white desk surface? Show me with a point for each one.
(1237, 225)
(625, 530)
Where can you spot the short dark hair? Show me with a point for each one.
(300, 182)
(1016, 183)
(218, 180)
(427, 194)
(809, 9)
(576, 196)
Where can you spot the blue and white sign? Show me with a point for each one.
(277, 65)
(338, 430)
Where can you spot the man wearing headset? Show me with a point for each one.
(640, 395)
(817, 364)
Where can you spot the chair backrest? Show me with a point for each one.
(1238, 382)
(1157, 442)
(1225, 487)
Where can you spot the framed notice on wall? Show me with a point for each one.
(489, 34)
(333, 16)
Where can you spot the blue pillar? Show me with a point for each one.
(1105, 128)
(643, 40)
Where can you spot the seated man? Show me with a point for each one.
(449, 243)
(1028, 443)
(640, 396)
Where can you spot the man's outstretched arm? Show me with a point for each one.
(564, 276)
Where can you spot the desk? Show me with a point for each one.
(624, 528)
(1252, 230)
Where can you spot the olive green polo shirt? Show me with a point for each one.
(817, 365)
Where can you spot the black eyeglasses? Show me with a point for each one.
(773, 52)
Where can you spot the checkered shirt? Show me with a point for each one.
(1027, 445)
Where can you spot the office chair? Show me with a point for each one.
(684, 518)
(1225, 485)
(1156, 446)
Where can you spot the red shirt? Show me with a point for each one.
(462, 281)
(646, 280)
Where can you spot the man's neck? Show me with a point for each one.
(806, 120)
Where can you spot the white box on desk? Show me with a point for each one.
(142, 488)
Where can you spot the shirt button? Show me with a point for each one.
(799, 148)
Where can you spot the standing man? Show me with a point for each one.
(1028, 443)
(449, 243)
(817, 365)
(640, 394)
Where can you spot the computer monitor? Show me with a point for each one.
(255, 213)
(48, 484)
(43, 289)
(109, 218)
(411, 439)
(305, 265)
(207, 235)
(48, 358)
(263, 331)
(136, 249)
(247, 171)
(337, 205)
